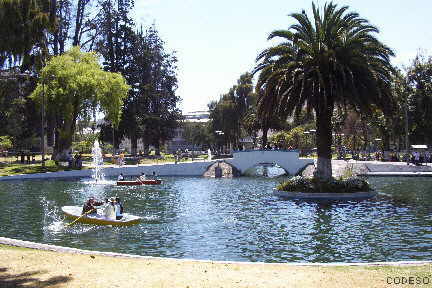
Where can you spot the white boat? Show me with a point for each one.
(75, 212)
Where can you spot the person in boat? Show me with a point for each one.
(142, 177)
(118, 208)
(90, 205)
(120, 177)
(109, 210)
(154, 175)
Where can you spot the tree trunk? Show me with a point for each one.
(50, 129)
(78, 22)
(134, 144)
(64, 142)
(386, 141)
(264, 136)
(323, 142)
(146, 146)
(157, 148)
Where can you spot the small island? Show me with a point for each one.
(313, 188)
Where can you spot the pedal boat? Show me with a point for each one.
(143, 182)
(74, 212)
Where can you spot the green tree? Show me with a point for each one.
(332, 59)
(197, 134)
(234, 112)
(23, 25)
(75, 85)
(18, 114)
(5, 143)
(158, 115)
(419, 79)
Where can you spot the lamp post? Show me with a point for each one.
(406, 125)
(43, 123)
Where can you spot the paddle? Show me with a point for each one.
(73, 222)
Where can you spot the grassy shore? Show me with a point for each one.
(23, 267)
(10, 166)
(18, 168)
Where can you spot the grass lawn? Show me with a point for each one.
(7, 169)
(10, 165)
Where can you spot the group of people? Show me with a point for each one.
(113, 209)
(75, 161)
(417, 158)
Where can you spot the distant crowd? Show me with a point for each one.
(414, 157)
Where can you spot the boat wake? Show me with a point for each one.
(52, 219)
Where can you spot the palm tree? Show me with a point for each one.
(329, 60)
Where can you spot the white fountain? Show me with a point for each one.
(98, 175)
(209, 155)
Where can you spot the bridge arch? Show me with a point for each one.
(221, 169)
(266, 169)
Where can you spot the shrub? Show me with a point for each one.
(315, 185)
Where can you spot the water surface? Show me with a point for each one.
(229, 219)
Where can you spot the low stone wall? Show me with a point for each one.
(397, 167)
(170, 169)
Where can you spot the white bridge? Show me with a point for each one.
(242, 161)
(287, 159)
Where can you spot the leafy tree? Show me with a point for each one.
(23, 25)
(234, 112)
(292, 139)
(18, 115)
(197, 133)
(5, 143)
(332, 59)
(75, 85)
(159, 114)
(86, 142)
(419, 78)
(401, 92)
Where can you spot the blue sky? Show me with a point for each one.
(217, 41)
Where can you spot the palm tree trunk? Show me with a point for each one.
(323, 142)
(264, 136)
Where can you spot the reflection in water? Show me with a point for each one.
(266, 170)
(229, 219)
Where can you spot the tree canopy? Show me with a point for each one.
(74, 86)
(22, 29)
(332, 59)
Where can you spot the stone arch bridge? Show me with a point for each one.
(241, 161)
(289, 160)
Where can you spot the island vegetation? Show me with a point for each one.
(315, 185)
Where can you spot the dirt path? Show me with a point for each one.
(23, 267)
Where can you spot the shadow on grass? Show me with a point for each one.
(29, 279)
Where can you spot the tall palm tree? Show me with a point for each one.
(332, 59)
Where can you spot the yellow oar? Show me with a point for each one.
(73, 222)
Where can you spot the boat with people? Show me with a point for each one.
(139, 182)
(75, 213)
